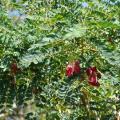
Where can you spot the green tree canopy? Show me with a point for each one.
(39, 38)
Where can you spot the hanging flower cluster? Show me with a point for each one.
(73, 69)
(14, 68)
(93, 76)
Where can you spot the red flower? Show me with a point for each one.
(93, 74)
(76, 68)
(69, 70)
(93, 81)
(89, 71)
(94, 69)
(73, 69)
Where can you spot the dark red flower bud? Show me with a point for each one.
(94, 69)
(76, 68)
(69, 70)
(93, 74)
(73, 69)
(14, 68)
(89, 71)
(94, 84)
(93, 81)
(77, 62)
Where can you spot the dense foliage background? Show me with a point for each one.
(38, 38)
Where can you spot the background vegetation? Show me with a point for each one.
(38, 38)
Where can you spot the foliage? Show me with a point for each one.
(40, 38)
